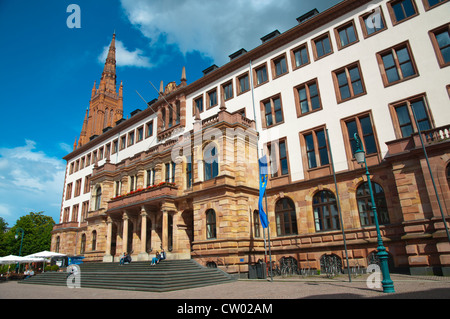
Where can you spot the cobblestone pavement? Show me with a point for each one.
(406, 287)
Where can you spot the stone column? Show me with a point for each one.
(125, 232)
(143, 253)
(165, 233)
(107, 257)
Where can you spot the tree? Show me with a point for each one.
(3, 227)
(37, 235)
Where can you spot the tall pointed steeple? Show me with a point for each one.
(106, 104)
(108, 80)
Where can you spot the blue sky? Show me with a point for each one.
(47, 71)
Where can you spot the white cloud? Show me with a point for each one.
(30, 181)
(215, 28)
(124, 57)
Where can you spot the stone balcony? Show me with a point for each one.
(148, 195)
(434, 136)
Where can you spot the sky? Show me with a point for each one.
(51, 53)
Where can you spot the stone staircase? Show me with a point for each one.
(168, 275)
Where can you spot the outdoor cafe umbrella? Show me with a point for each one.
(44, 254)
(12, 259)
(40, 256)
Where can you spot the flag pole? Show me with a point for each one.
(268, 236)
(259, 178)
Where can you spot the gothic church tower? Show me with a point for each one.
(106, 105)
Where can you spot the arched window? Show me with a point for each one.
(326, 215)
(83, 244)
(256, 223)
(285, 217)
(210, 161)
(57, 244)
(94, 240)
(98, 198)
(365, 204)
(211, 224)
(448, 174)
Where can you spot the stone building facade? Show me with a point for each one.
(182, 175)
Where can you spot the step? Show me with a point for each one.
(165, 276)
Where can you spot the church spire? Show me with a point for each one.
(108, 80)
(106, 104)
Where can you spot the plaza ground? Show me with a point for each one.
(406, 287)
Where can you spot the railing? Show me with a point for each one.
(437, 135)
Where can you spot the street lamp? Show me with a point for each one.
(388, 284)
(17, 236)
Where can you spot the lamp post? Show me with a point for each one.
(388, 284)
(16, 236)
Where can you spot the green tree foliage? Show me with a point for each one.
(3, 226)
(37, 235)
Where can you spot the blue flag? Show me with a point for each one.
(263, 174)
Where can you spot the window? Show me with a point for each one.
(212, 98)
(372, 22)
(140, 134)
(348, 82)
(272, 111)
(396, 64)
(66, 214)
(133, 181)
(87, 185)
(227, 90)
(346, 35)
(315, 147)
(100, 153)
(440, 39)
(115, 146)
(94, 240)
(172, 178)
(84, 210)
(75, 209)
(401, 10)
(77, 188)
(69, 191)
(322, 46)
(189, 172)
(278, 158)
(177, 112)
(210, 162)
(403, 116)
(307, 97)
(149, 129)
(285, 217)
(83, 244)
(98, 198)
(256, 224)
(243, 83)
(448, 175)
(167, 172)
(365, 204)
(131, 138)
(118, 188)
(261, 75)
(123, 141)
(361, 124)
(198, 104)
(300, 56)
(325, 210)
(430, 4)
(279, 66)
(211, 232)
